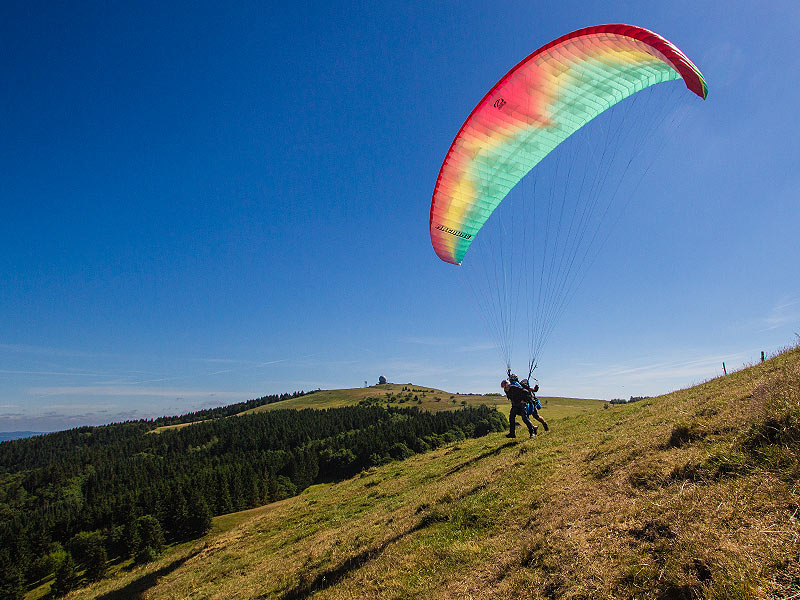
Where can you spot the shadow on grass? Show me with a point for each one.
(326, 579)
(475, 459)
(137, 587)
(309, 586)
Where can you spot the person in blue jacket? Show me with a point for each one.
(535, 404)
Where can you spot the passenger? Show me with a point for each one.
(534, 405)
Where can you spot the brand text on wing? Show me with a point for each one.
(460, 234)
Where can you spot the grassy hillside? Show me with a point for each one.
(398, 395)
(393, 394)
(410, 394)
(689, 495)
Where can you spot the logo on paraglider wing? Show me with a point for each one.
(499, 103)
(455, 232)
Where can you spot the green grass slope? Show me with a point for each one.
(432, 399)
(398, 395)
(693, 494)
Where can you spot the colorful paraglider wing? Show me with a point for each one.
(543, 100)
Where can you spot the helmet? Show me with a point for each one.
(504, 383)
(513, 377)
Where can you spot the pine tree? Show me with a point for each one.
(66, 576)
(96, 560)
(150, 533)
(12, 582)
(198, 516)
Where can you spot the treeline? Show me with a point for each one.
(71, 501)
(631, 399)
(226, 411)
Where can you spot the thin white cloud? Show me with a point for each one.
(673, 369)
(241, 365)
(52, 408)
(128, 391)
(223, 361)
(48, 373)
(651, 375)
(280, 360)
(457, 345)
(475, 347)
(44, 350)
(427, 341)
(250, 365)
(453, 377)
(785, 311)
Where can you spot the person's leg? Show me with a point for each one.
(527, 421)
(540, 419)
(512, 418)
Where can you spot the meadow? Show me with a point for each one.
(688, 495)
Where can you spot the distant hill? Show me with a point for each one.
(395, 394)
(391, 394)
(7, 436)
(689, 495)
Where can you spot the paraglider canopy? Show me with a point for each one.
(538, 104)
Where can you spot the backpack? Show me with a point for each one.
(532, 406)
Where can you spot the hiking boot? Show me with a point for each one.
(546, 428)
(510, 435)
(534, 431)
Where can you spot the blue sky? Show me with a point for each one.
(206, 204)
